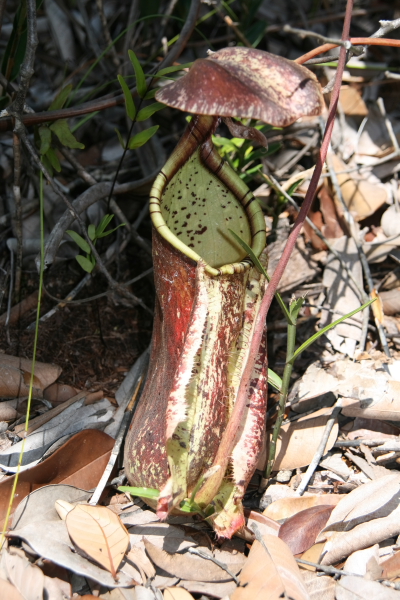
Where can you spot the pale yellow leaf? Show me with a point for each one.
(270, 574)
(99, 533)
(176, 593)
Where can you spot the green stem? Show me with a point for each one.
(290, 348)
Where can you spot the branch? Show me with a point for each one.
(354, 42)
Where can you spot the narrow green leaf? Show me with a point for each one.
(120, 138)
(64, 134)
(327, 328)
(129, 103)
(146, 112)
(78, 239)
(105, 233)
(143, 492)
(150, 95)
(85, 263)
(274, 380)
(45, 139)
(168, 70)
(92, 231)
(103, 224)
(53, 159)
(141, 138)
(47, 164)
(61, 98)
(140, 78)
(261, 270)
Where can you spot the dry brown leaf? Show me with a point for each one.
(284, 508)
(351, 102)
(187, 566)
(27, 578)
(369, 501)
(300, 531)
(391, 567)
(176, 593)
(358, 588)
(7, 590)
(212, 589)
(313, 555)
(15, 374)
(357, 562)
(342, 544)
(362, 197)
(99, 533)
(138, 557)
(300, 439)
(270, 574)
(171, 538)
(69, 464)
(387, 409)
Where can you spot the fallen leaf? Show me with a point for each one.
(138, 517)
(176, 593)
(351, 101)
(27, 578)
(99, 533)
(369, 501)
(284, 508)
(300, 439)
(7, 590)
(79, 462)
(168, 537)
(357, 588)
(300, 531)
(318, 587)
(313, 555)
(139, 558)
(342, 544)
(387, 409)
(57, 393)
(391, 567)
(357, 562)
(187, 566)
(270, 574)
(15, 375)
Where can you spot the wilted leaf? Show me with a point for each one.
(358, 588)
(99, 533)
(27, 578)
(7, 590)
(284, 508)
(319, 588)
(65, 135)
(187, 566)
(357, 562)
(300, 531)
(176, 593)
(371, 500)
(15, 374)
(270, 574)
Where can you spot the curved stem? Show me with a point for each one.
(354, 41)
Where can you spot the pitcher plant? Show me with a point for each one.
(208, 292)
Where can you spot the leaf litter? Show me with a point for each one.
(118, 549)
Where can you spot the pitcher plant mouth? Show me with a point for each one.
(211, 200)
(190, 438)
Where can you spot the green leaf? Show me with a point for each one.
(85, 263)
(120, 138)
(61, 98)
(150, 95)
(146, 112)
(261, 270)
(189, 506)
(64, 134)
(141, 138)
(143, 492)
(295, 307)
(45, 139)
(92, 231)
(140, 78)
(53, 159)
(129, 103)
(274, 380)
(327, 328)
(47, 164)
(105, 233)
(103, 224)
(168, 70)
(79, 240)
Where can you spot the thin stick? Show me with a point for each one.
(354, 42)
(220, 564)
(320, 450)
(326, 569)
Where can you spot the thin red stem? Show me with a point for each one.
(354, 41)
(229, 438)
